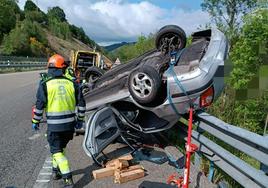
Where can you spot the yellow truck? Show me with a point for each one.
(89, 65)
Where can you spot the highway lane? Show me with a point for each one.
(20, 157)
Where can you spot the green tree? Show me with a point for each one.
(60, 29)
(79, 33)
(56, 13)
(16, 42)
(33, 13)
(30, 6)
(27, 38)
(9, 12)
(39, 17)
(251, 50)
(58, 24)
(226, 14)
(245, 100)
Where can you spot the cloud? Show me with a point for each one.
(117, 20)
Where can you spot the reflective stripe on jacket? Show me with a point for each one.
(60, 103)
(38, 114)
(60, 96)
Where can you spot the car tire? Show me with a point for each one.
(84, 88)
(92, 74)
(144, 85)
(165, 34)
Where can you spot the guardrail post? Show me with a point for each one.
(198, 128)
(197, 159)
(198, 154)
(223, 184)
(211, 171)
(264, 167)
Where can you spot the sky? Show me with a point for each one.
(113, 21)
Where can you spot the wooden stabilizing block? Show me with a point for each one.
(134, 167)
(120, 169)
(122, 158)
(117, 164)
(127, 157)
(102, 173)
(121, 164)
(128, 176)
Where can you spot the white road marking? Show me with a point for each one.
(35, 136)
(47, 167)
(42, 181)
(44, 175)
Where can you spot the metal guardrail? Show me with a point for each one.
(21, 58)
(245, 141)
(7, 64)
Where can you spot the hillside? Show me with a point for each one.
(116, 46)
(129, 51)
(64, 47)
(31, 32)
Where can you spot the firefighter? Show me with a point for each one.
(69, 73)
(59, 96)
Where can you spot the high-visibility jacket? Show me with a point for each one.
(69, 73)
(60, 97)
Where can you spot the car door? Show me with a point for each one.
(101, 130)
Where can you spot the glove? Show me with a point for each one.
(79, 124)
(35, 126)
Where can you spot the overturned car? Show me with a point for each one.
(149, 93)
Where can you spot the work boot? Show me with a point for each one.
(56, 175)
(68, 182)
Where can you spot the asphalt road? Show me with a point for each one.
(21, 153)
(24, 155)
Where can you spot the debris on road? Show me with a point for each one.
(103, 172)
(120, 162)
(122, 177)
(121, 170)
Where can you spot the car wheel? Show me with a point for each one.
(144, 84)
(85, 88)
(93, 73)
(170, 38)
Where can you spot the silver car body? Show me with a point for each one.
(103, 118)
(208, 72)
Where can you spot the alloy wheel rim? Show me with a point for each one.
(142, 85)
